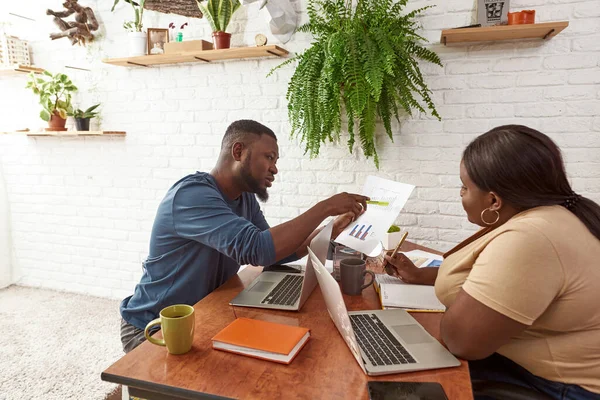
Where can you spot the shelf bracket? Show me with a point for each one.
(444, 40)
(201, 59)
(138, 64)
(549, 33)
(273, 53)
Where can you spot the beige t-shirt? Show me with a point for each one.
(542, 269)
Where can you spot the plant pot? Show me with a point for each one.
(56, 123)
(391, 240)
(521, 17)
(137, 44)
(528, 16)
(82, 124)
(222, 40)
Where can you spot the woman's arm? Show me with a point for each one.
(513, 281)
(407, 271)
(473, 331)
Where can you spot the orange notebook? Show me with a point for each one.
(262, 339)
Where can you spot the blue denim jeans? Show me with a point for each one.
(500, 369)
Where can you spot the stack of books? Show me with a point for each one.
(262, 339)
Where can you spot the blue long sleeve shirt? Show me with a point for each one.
(199, 240)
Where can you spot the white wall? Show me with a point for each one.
(82, 208)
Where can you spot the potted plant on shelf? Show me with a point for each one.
(218, 14)
(55, 97)
(363, 61)
(137, 37)
(392, 237)
(82, 118)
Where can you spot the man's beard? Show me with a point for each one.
(252, 183)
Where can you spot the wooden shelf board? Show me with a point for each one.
(199, 56)
(544, 30)
(17, 69)
(74, 133)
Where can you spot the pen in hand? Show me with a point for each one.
(385, 262)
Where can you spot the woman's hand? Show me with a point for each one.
(401, 267)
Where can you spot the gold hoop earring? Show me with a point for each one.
(490, 223)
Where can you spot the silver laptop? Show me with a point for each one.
(381, 341)
(284, 290)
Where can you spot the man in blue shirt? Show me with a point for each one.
(209, 224)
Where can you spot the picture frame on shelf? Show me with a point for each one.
(492, 12)
(157, 37)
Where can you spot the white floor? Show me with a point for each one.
(54, 345)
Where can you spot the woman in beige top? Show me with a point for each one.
(523, 293)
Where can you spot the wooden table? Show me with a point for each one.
(324, 368)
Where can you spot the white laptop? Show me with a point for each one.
(285, 290)
(381, 341)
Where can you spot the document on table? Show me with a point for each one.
(423, 258)
(365, 234)
(395, 293)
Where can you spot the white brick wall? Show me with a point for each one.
(81, 209)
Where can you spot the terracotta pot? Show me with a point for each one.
(528, 16)
(56, 123)
(514, 18)
(521, 17)
(221, 40)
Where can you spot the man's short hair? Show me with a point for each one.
(245, 131)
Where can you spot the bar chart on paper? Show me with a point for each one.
(364, 230)
(386, 200)
(360, 233)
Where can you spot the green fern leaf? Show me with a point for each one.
(363, 63)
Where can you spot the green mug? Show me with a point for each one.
(177, 325)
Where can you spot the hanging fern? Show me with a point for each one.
(363, 60)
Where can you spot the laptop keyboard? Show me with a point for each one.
(286, 292)
(378, 343)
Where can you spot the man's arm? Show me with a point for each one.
(201, 214)
(294, 235)
(339, 224)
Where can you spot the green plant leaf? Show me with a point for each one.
(218, 13)
(206, 13)
(363, 62)
(62, 112)
(45, 115)
(393, 228)
(224, 14)
(54, 92)
(92, 108)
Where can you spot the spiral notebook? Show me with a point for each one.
(394, 293)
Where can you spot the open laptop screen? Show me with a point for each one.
(336, 306)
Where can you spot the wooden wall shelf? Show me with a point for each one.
(20, 69)
(199, 56)
(74, 133)
(545, 30)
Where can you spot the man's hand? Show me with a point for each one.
(341, 222)
(293, 236)
(345, 202)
